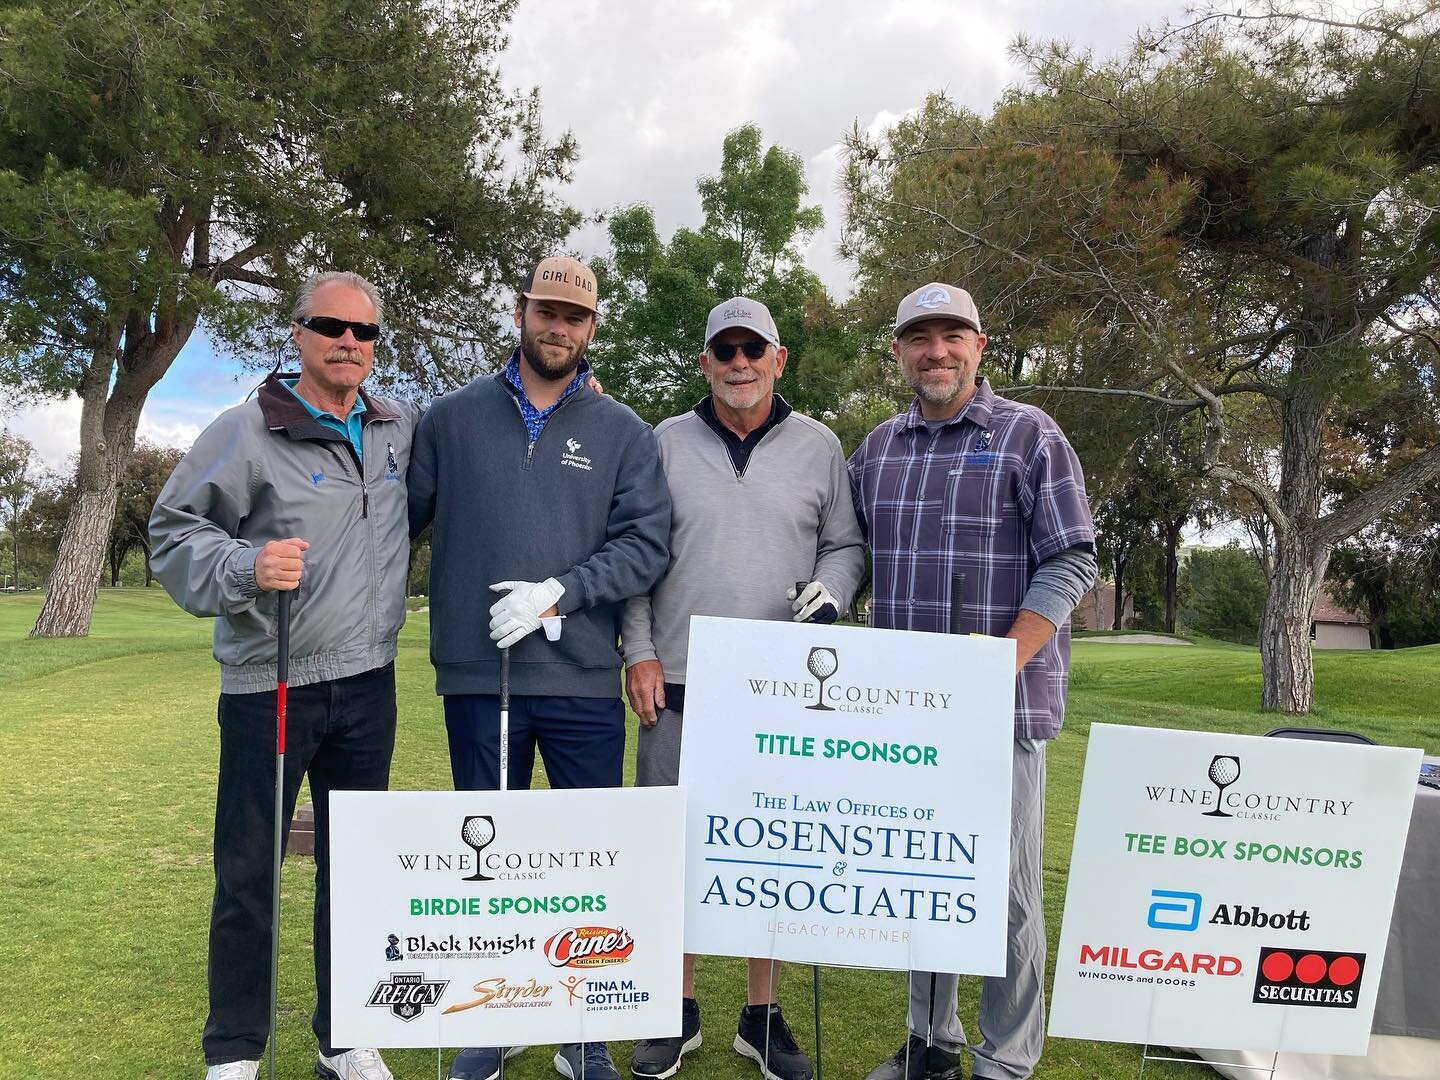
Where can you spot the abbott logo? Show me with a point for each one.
(1173, 910)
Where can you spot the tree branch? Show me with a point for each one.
(1355, 513)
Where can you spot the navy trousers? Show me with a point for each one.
(341, 733)
(581, 740)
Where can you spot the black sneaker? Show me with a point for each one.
(924, 1063)
(655, 1059)
(764, 1037)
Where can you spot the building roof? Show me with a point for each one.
(1330, 610)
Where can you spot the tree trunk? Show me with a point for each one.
(1118, 622)
(107, 437)
(1286, 660)
(1172, 571)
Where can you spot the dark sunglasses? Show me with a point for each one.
(325, 326)
(754, 349)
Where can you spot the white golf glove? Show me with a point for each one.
(814, 604)
(517, 612)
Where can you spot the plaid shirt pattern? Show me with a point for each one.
(967, 514)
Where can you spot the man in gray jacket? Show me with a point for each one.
(760, 501)
(300, 490)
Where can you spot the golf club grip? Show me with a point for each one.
(505, 678)
(282, 634)
(957, 603)
(282, 668)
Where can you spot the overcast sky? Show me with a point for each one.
(649, 90)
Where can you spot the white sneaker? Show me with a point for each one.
(353, 1065)
(233, 1070)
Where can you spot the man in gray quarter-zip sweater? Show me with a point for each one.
(300, 490)
(547, 499)
(761, 501)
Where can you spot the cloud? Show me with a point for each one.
(650, 89)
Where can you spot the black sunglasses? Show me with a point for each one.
(724, 351)
(325, 326)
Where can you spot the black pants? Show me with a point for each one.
(582, 740)
(341, 733)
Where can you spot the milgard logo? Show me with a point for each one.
(1326, 980)
(1223, 772)
(589, 947)
(407, 994)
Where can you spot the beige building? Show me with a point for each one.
(1337, 627)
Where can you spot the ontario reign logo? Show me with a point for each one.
(479, 832)
(406, 994)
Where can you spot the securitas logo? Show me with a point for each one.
(1226, 800)
(483, 863)
(822, 696)
(1326, 980)
(407, 994)
(589, 947)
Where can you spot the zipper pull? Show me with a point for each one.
(364, 502)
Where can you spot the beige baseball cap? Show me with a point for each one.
(937, 301)
(561, 278)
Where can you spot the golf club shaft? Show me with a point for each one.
(504, 719)
(282, 677)
(818, 1056)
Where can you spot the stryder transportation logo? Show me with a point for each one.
(1255, 805)
(589, 947)
(407, 994)
(496, 993)
(1326, 980)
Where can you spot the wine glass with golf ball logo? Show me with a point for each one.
(478, 831)
(822, 663)
(1224, 771)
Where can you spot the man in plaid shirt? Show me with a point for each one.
(975, 511)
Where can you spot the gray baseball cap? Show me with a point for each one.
(741, 311)
(937, 301)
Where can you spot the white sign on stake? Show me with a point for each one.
(485, 918)
(848, 795)
(1230, 892)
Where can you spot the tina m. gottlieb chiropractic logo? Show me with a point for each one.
(485, 860)
(823, 695)
(1227, 797)
(407, 994)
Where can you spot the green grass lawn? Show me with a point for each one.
(110, 749)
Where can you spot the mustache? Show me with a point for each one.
(353, 356)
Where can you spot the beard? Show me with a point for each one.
(548, 369)
(742, 397)
(940, 394)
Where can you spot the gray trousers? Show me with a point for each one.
(1012, 1009)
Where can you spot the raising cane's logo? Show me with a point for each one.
(589, 947)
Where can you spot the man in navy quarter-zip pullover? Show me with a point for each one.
(547, 499)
